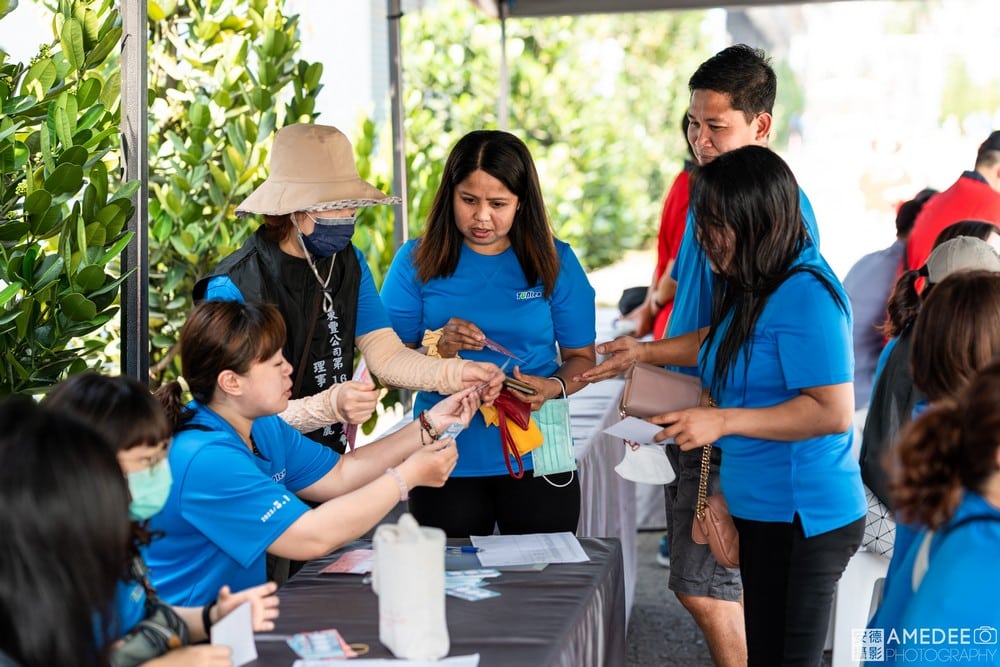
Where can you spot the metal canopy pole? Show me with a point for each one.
(503, 102)
(134, 296)
(400, 225)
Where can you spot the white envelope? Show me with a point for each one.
(646, 464)
(236, 632)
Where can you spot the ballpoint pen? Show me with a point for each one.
(463, 550)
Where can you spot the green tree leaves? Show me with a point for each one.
(218, 74)
(61, 230)
(598, 100)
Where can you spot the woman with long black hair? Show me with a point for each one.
(777, 366)
(65, 536)
(488, 268)
(137, 432)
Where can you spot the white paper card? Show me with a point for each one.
(502, 550)
(636, 430)
(235, 630)
(454, 661)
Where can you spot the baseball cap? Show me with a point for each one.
(962, 253)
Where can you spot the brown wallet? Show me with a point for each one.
(652, 390)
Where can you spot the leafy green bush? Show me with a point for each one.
(223, 78)
(64, 209)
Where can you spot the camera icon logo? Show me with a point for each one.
(984, 634)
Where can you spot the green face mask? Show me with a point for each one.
(149, 489)
(555, 454)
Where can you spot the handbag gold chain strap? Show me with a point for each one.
(706, 464)
(706, 467)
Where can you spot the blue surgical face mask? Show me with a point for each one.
(149, 489)
(329, 236)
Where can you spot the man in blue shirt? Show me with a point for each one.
(732, 97)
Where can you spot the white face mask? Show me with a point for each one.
(646, 464)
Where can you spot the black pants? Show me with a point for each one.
(788, 586)
(473, 505)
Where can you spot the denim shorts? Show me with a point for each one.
(693, 568)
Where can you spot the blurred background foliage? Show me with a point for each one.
(597, 99)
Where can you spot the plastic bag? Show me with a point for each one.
(408, 577)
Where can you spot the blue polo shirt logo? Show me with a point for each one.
(524, 295)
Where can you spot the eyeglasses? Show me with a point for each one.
(147, 463)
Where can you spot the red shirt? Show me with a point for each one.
(967, 199)
(672, 221)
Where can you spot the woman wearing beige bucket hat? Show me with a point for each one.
(301, 260)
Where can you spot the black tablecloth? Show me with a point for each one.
(569, 614)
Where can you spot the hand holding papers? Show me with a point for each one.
(361, 374)
(235, 630)
(638, 431)
(644, 462)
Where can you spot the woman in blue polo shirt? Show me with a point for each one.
(134, 425)
(489, 266)
(946, 479)
(946, 579)
(243, 477)
(777, 361)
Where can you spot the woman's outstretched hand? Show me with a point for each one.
(691, 428)
(430, 465)
(457, 408)
(458, 334)
(622, 352)
(263, 604)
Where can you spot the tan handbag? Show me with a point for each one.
(713, 524)
(651, 390)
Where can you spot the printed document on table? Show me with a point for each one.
(503, 550)
(454, 661)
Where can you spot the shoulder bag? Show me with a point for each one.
(652, 390)
(713, 524)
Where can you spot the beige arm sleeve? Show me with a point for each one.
(313, 412)
(399, 366)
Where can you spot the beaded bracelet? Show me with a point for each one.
(425, 423)
(404, 492)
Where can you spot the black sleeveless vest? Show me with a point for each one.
(320, 346)
(891, 408)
